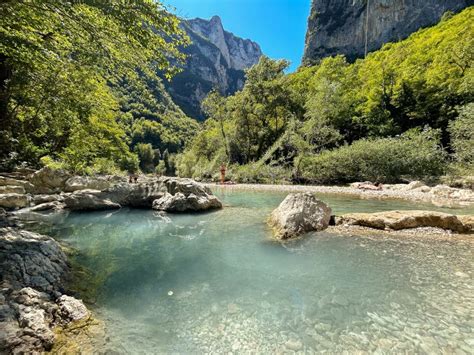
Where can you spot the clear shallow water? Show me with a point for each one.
(214, 282)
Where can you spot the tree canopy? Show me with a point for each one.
(61, 63)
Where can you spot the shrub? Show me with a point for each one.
(462, 141)
(414, 155)
(260, 174)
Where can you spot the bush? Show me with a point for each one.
(462, 141)
(414, 155)
(260, 174)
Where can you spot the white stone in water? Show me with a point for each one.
(294, 344)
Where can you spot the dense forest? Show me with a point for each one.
(404, 111)
(79, 84)
(81, 89)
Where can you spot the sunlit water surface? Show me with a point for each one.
(214, 282)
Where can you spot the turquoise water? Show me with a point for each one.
(214, 282)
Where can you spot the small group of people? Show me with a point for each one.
(132, 178)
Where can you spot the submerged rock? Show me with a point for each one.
(398, 220)
(299, 213)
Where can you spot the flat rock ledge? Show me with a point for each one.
(299, 213)
(54, 190)
(32, 304)
(399, 220)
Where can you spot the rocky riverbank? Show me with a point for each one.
(439, 195)
(53, 190)
(34, 305)
(36, 312)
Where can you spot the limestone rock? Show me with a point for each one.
(8, 181)
(86, 183)
(47, 180)
(12, 201)
(468, 222)
(12, 189)
(185, 195)
(72, 309)
(179, 202)
(339, 26)
(299, 213)
(404, 220)
(139, 195)
(216, 59)
(31, 260)
(33, 268)
(89, 200)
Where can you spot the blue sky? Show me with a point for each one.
(278, 26)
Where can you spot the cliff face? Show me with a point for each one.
(216, 59)
(339, 26)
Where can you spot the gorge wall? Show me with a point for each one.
(340, 26)
(216, 59)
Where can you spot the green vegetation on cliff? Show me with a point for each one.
(404, 111)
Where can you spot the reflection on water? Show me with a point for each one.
(213, 283)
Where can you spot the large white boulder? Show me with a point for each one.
(89, 200)
(299, 213)
(86, 183)
(47, 180)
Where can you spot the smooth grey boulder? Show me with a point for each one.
(12, 201)
(89, 200)
(299, 213)
(139, 195)
(48, 181)
(179, 202)
(76, 183)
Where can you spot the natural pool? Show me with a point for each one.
(214, 283)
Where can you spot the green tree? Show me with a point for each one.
(57, 62)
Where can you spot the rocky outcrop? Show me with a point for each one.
(299, 213)
(398, 220)
(13, 200)
(11, 183)
(48, 181)
(164, 194)
(339, 26)
(216, 59)
(31, 301)
(76, 183)
(89, 200)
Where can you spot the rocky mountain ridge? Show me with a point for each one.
(216, 59)
(344, 26)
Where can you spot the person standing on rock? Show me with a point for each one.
(223, 169)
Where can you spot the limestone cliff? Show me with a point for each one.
(216, 59)
(341, 26)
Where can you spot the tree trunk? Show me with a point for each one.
(5, 74)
